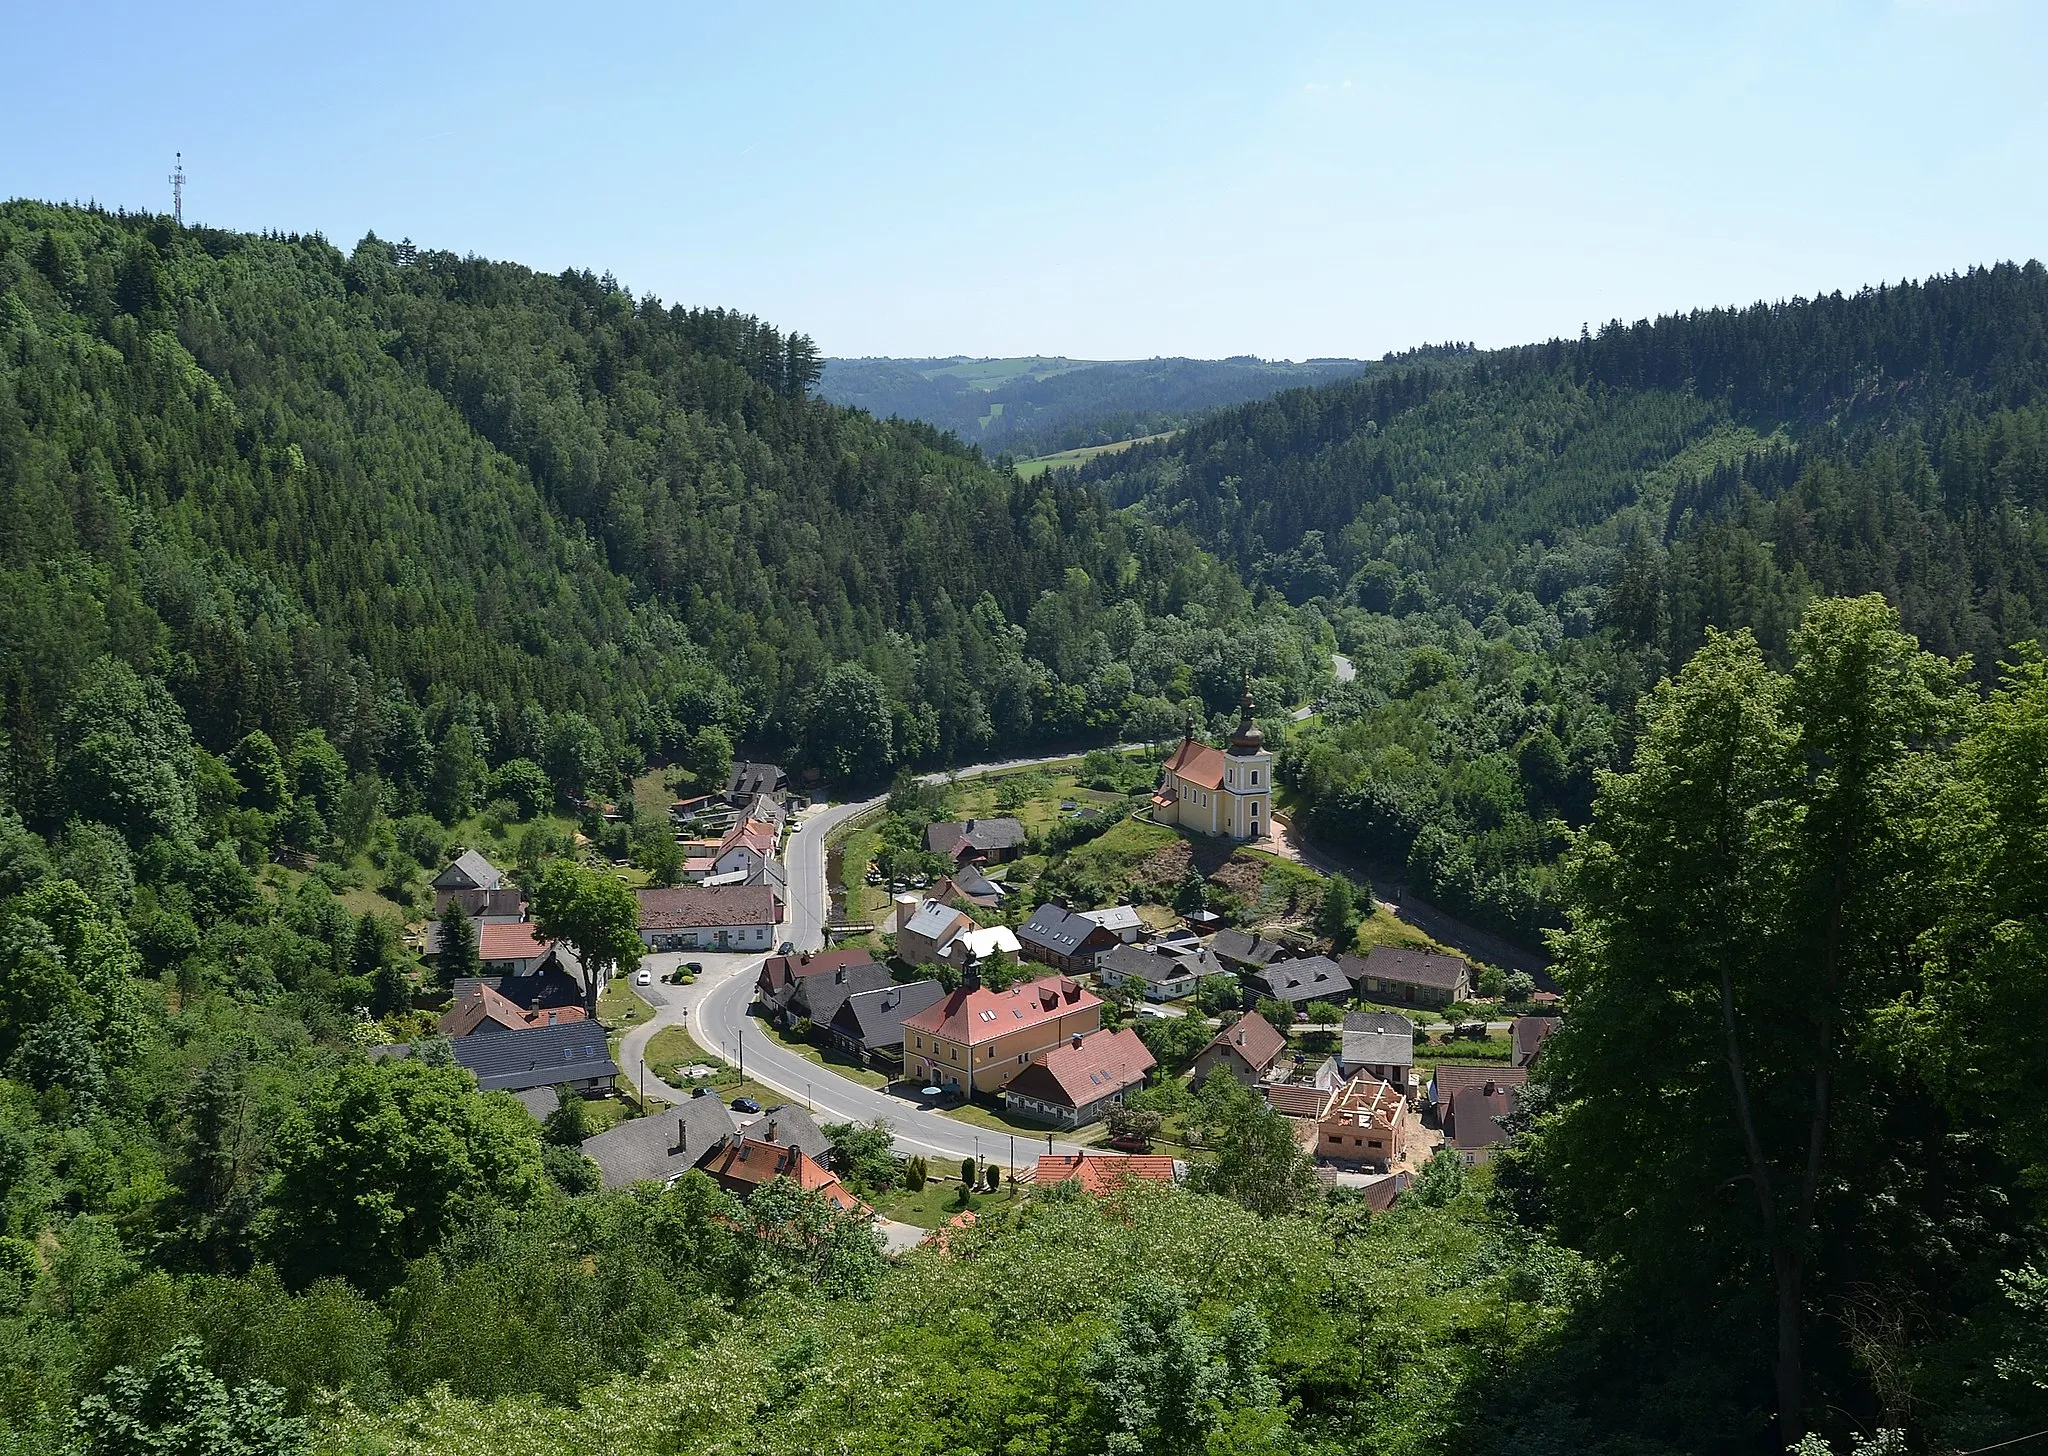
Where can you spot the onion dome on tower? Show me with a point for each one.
(1248, 739)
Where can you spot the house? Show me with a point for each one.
(750, 779)
(547, 987)
(1165, 972)
(1365, 1121)
(1450, 1078)
(1101, 1174)
(1362, 1120)
(1476, 1116)
(932, 925)
(817, 999)
(985, 841)
(569, 1052)
(980, 1039)
(1227, 792)
(779, 972)
(1380, 1044)
(1122, 921)
(746, 847)
(1409, 977)
(1298, 982)
(970, 884)
(1057, 937)
(1530, 1032)
(786, 1123)
(511, 947)
(486, 1010)
(660, 1147)
(477, 885)
(1245, 953)
(742, 1164)
(869, 1024)
(1245, 1049)
(1077, 1082)
(937, 934)
(694, 917)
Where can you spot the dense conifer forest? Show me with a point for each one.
(1514, 544)
(1706, 641)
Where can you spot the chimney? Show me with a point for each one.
(771, 1126)
(682, 1135)
(1489, 1090)
(1077, 1041)
(804, 959)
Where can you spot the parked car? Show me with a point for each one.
(788, 947)
(695, 968)
(644, 978)
(1472, 1030)
(745, 1104)
(700, 1091)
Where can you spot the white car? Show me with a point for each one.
(645, 978)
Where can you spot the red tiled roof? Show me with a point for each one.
(486, 1004)
(513, 940)
(1100, 1173)
(693, 907)
(1197, 763)
(1296, 1099)
(1451, 1078)
(752, 834)
(742, 1164)
(1530, 1032)
(1476, 1115)
(1253, 1038)
(973, 1017)
(1086, 1069)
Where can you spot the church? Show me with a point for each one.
(1219, 791)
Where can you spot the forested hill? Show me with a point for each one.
(314, 488)
(1037, 406)
(1514, 544)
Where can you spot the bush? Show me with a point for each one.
(423, 839)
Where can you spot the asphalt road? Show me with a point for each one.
(715, 1012)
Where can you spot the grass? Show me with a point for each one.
(671, 1048)
(618, 1007)
(983, 797)
(1498, 1050)
(936, 1202)
(1116, 855)
(832, 1061)
(856, 851)
(997, 1121)
(1384, 927)
(1038, 465)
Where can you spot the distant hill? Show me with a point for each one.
(1039, 405)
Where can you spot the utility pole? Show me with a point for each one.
(178, 191)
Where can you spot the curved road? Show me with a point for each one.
(715, 1011)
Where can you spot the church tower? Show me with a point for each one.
(1247, 778)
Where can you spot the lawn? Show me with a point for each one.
(1026, 1132)
(1032, 796)
(835, 1062)
(619, 1008)
(671, 1047)
(935, 1203)
(1384, 927)
(1038, 465)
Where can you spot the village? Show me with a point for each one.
(954, 973)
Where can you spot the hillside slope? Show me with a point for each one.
(1038, 406)
(304, 487)
(1515, 545)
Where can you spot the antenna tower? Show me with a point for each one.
(178, 192)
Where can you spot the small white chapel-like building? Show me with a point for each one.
(1224, 792)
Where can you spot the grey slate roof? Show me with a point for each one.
(874, 1019)
(658, 1147)
(1245, 950)
(1407, 967)
(820, 997)
(551, 987)
(794, 1127)
(540, 1056)
(980, 835)
(1156, 965)
(1378, 1039)
(1056, 928)
(469, 871)
(749, 779)
(1312, 978)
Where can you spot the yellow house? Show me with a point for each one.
(1227, 793)
(984, 1038)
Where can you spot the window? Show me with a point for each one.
(1255, 778)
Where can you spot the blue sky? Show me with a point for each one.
(1102, 181)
